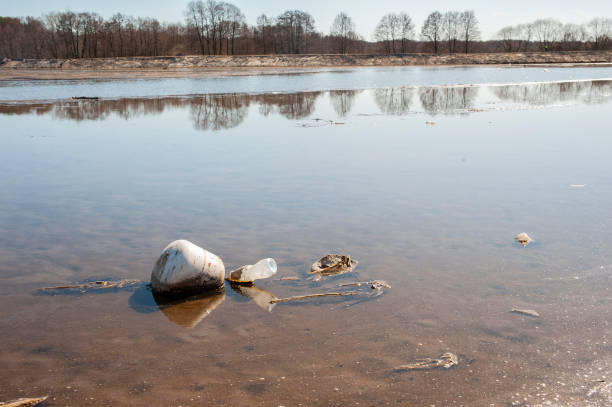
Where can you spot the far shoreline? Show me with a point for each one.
(241, 65)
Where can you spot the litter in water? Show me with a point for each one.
(528, 312)
(247, 274)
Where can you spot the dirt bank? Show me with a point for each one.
(260, 64)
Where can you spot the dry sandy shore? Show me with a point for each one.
(192, 66)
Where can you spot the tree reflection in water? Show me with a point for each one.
(226, 111)
(343, 100)
(447, 100)
(541, 94)
(394, 101)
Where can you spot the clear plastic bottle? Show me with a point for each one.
(247, 274)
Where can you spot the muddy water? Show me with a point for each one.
(425, 186)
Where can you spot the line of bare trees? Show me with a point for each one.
(215, 27)
(549, 34)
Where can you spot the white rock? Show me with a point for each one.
(184, 268)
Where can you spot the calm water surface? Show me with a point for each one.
(425, 185)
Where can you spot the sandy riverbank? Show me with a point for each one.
(191, 66)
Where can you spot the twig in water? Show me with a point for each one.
(93, 284)
(24, 402)
(375, 284)
(303, 297)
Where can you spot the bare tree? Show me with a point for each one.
(600, 32)
(387, 31)
(343, 29)
(468, 24)
(432, 29)
(451, 28)
(406, 30)
(546, 32)
(264, 26)
(294, 28)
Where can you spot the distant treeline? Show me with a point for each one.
(220, 28)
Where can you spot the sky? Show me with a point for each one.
(492, 14)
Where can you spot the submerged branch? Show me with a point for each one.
(24, 402)
(302, 297)
(93, 284)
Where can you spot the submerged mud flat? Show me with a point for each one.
(94, 190)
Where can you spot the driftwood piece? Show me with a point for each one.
(528, 312)
(375, 284)
(446, 361)
(93, 285)
(303, 297)
(24, 402)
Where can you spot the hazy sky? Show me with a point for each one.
(492, 14)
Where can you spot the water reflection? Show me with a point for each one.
(343, 100)
(260, 297)
(394, 101)
(226, 111)
(448, 100)
(549, 93)
(191, 311)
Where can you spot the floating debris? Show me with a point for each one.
(430, 123)
(375, 284)
(578, 185)
(446, 361)
(85, 98)
(303, 297)
(247, 274)
(94, 285)
(289, 279)
(528, 312)
(319, 123)
(24, 402)
(523, 239)
(334, 264)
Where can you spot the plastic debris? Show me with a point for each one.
(528, 312)
(523, 239)
(446, 361)
(185, 269)
(247, 274)
(430, 123)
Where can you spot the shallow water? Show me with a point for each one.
(425, 186)
(298, 80)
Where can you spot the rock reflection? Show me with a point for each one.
(394, 101)
(343, 100)
(260, 297)
(447, 100)
(191, 311)
(539, 94)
